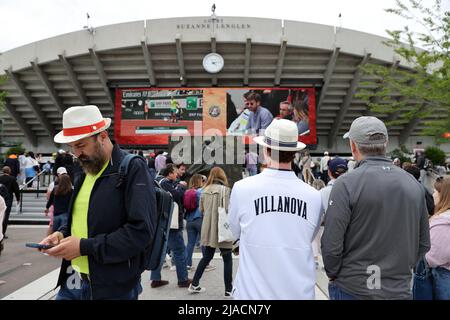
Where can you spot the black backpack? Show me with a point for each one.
(155, 252)
(4, 192)
(164, 209)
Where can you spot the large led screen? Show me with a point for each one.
(149, 116)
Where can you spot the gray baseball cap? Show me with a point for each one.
(363, 128)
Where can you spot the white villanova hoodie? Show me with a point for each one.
(276, 216)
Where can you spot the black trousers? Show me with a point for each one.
(27, 180)
(325, 176)
(6, 218)
(208, 255)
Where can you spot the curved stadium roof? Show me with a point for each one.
(84, 67)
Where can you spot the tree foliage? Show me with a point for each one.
(402, 153)
(423, 90)
(436, 155)
(15, 150)
(3, 94)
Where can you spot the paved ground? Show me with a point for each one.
(20, 265)
(211, 280)
(28, 274)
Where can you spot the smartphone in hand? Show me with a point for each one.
(39, 246)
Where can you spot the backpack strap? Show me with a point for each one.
(123, 168)
(156, 184)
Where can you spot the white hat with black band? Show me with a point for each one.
(281, 135)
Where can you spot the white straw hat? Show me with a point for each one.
(281, 135)
(81, 122)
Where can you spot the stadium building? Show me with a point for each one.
(136, 71)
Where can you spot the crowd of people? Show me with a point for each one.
(24, 166)
(21, 171)
(376, 226)
(371, 220)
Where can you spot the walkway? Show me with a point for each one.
(26, 274)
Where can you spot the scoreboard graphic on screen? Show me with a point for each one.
(149, 116)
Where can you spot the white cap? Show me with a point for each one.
(61, 170)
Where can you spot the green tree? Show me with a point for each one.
(15, 150)
(436, 155)
(3, 94)
(402, 153)
(423, 91)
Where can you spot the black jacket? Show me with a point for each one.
(429, 200)
(58, 163)
(177, 191)
(12, 186)
(14, 165)
(67, 162)
(121, 224)
(420, 161)
(60, 202)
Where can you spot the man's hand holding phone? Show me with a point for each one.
(52, 240)
(67, 248)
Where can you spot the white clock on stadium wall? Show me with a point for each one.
(213, 62)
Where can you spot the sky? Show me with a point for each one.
(26, 21)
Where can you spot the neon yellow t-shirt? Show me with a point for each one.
(79, 226)
(174, 106)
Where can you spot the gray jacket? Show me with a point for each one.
(376, 221)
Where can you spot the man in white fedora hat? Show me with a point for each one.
(276, 216)
(110, 224)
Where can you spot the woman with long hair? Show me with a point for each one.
(306, 171)
(194, 217)
(215, 192)
(438, 258)
(301, 116)
(60, 199)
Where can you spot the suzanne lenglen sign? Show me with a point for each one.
(210, 24)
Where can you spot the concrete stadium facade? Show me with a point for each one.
(84, 67)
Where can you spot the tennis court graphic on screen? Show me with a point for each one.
(151, 116)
